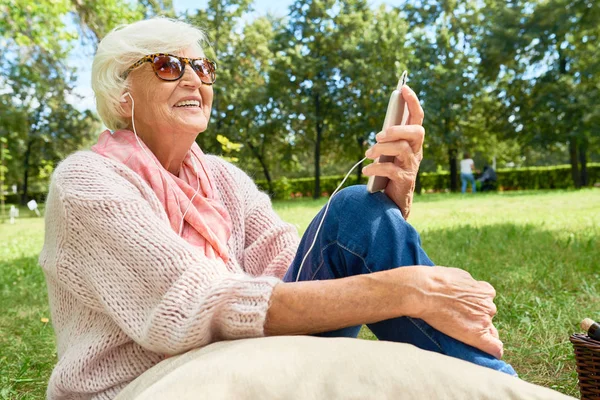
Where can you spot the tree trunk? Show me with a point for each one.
(265, 169)
(2, 181)
(574, 162)
(583, 162)
(418, 186)
(361, 145)
(26, 172)
(359, 172)
(208, 142)
(453, 170)
(319, 127)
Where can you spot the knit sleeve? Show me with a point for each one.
(270, 243)
(119, 257)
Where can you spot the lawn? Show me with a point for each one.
(539, 249)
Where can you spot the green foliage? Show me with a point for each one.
(305, 95)
(529, 178)
(37, 120)
(540, 64)
(229, 148)
(4, 155)
(38, 196)
(285, 188)
(558, 177)
(443, 74)
(36, 24)
(219, 20)
(97, 18)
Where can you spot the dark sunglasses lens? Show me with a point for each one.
(168, 68)
(205, 70)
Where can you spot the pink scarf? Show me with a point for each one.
(207, 224)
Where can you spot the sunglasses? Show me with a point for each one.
(171, 68)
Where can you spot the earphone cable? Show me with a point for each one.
(192, 199)
(323, 217)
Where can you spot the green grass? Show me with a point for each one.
(539, 249)
(27, 349)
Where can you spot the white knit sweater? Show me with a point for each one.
(125, 291)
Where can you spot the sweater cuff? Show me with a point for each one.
(245, 312)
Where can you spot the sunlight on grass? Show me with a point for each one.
(539, 249)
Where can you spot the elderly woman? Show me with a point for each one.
(154, 248)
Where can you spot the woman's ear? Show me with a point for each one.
(126, 105)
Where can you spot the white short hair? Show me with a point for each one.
(125, 45)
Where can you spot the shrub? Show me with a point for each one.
(554, 177)
(15, 198)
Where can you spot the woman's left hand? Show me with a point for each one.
(405, 143)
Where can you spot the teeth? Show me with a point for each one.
(188, 103)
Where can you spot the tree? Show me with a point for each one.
(442, 35)
(36, 82)
(546, 71)
(373, 57)
(256, 118)
(4, 155)
(310, 55)
(220, 20)
(97, 18)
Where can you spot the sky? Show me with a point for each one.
(82, 58)
(275, 7)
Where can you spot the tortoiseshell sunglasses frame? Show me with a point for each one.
(184, 60)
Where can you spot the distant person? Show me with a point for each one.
(488, 179)
(467, 166)
(154, 248)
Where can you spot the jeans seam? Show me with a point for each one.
(322, 260)
(426, 334)
(343, 248)
(355, 254)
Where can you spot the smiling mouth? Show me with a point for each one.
(188, 103)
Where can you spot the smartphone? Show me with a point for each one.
(396, 114)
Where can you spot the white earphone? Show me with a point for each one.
(123, 99)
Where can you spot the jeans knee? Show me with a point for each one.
(356, 198)
(357, 202)
(371, 226)
(350, 191)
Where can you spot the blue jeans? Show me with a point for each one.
(467, 177)
(364, 233)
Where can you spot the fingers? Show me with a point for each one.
(413, 134)
(391, 171)
(493, 310)
(491, 345)
(489, 288)
(399, 148)
(397, 140)
(494, 332)
(415, 110)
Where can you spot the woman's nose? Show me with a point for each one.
(190, 78)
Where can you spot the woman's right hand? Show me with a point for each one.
(449, 299)
(454, 303)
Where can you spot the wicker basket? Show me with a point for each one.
(587, 358)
